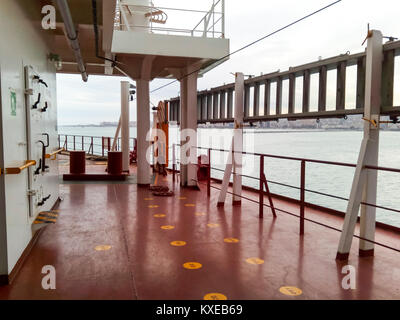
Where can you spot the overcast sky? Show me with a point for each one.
(337, 30)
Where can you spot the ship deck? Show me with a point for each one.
(141, 263)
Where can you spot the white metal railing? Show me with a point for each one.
(220, 19)
(165, 20)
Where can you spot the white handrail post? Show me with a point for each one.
(223, 18)
(365, 181)
(235, 157)
(125, 125)
(213, 13)
(123, 15)
(173, 156)
(238, 139)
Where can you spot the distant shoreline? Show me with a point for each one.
(259, 130)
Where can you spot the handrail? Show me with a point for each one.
(84, 136)
(18, 170)
(70, 142)
(149, 11)
(302, 202)
(166, 8)
(213, 12)
(334, 163)
(259, 91)
(307, 219)
(303, 161)
(49, 155)
(170, 29)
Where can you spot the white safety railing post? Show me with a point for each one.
(125, 125)
(173, 154)
(235, 157)
(223, 18)
(365, 181)
(213, 15)
(238, 139)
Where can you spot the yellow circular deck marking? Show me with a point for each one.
(213, 225)
(255, 261)
(231, 240)
(182, 198)
(291, 291)
(178, 243)
(190, 205)
(200, 214)
(167, 227)
(102, 248)
(153, 206)
(192, 265)
(215, 296)
(160, 215)
(148, 199)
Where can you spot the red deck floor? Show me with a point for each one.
(142, 264)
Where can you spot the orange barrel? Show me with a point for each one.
(114, 164)
(77, 162)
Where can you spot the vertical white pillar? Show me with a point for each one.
(183, 127)
(238, 138)
(143, 127)
(372, 110)
(125, 125)
(188, 126)
(191, 124)
(153, 136)
(365, 181)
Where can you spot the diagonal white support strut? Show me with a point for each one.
(364, 186)
(227, 177)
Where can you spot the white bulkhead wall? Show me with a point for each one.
(23, 43)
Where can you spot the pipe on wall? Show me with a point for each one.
(72, 36)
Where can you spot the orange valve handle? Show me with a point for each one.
(18, 170)
(373, 122)
(54, 154)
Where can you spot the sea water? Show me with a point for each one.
(338, 146)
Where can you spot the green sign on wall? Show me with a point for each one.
(13, 98)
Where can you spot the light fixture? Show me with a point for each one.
(55, 58)
(132, 91)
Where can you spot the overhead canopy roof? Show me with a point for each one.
(128, 60)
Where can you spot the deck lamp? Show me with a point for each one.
(55, 58)
(132, 91)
